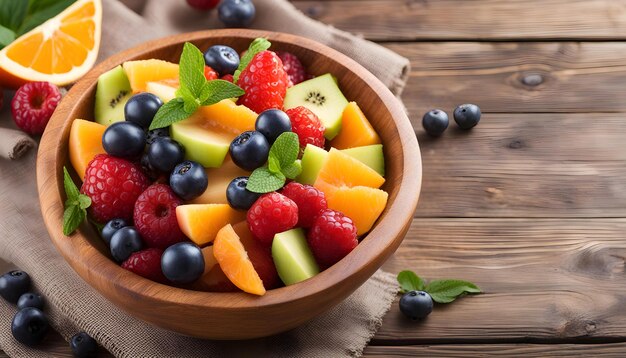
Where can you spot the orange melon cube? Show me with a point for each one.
(219, 178)
(84, 144)
(141, 72)
(356, 130)
(341, 170)
(229, 116)
(201, 222)
(360, 203)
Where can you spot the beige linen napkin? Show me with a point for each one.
(73, 305)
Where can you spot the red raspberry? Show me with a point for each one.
(203, 5)
(228, 78)
(146, 263)
(155, 216)
(294, 68)
(210, 73)
(113, 184)
(309, 200)
(307, 126)
(33, 105)
(271, 214)
(265, 82)
(332, 237)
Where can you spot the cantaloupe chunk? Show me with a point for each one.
(219, 178)
(84, 144)
(360, 203)
(141, 72)
(341, 170)
(356, 130)
(201, 222)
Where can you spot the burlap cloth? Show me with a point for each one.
(74, 306)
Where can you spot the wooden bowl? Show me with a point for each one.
(236, 315)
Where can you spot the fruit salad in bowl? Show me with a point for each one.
(214, 176)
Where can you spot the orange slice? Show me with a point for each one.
(361, 204)
(60, 51)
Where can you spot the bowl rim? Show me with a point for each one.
(389, 230)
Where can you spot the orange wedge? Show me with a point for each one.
(60, 51)
(360, 203)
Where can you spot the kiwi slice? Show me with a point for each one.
(323, 97)
(112, 93)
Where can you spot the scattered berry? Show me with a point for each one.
(83, 346)
(146, 263)
(272, 123)
(33, 105)
(203, 5)
(435, 122)
(310, 201)
(416, 304)
(30, 299)
(331, 237)
(249, 150)
(236, 13)
(223, 59)
(124, 242)
(156, 134)
(238, 196)
(29, 326)
(155, 216)
(164, 154)
(14, 284)
(111, 228)
(113, 184)
(124, 140)
(210, 73)
(189, 180)
(265, 82)
(270, 214)
(467, 115)
(182, 262)
(307, 126)
(294, 68)
(228, 78)
(141, 109)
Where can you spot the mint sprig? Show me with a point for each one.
(75, 206)
(258, 45)
(441, 291)
(282, 162)
(194, 90)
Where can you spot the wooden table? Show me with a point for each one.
(531, 204)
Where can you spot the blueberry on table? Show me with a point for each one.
(238, 196)
(124, 140)
(141, 108)
(13, 284)
(250, 150)
(223, 59)
(416, 304)
(236, 13)
(165, 153)
(124, 242)
(467, 115)
(182, 262)
(435, 122)
(83, 346)
(29, 326)
(30, 299)
(111, 228)
(272, 123)
(189, 180)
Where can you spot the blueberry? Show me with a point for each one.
(435, 122)
(416, 304)
(238, 196)
(30, 299)
(141, 108)
(236, 13)
(13, 284)
(124, 242)
(250, 150)
(223, 59)
(156, 134)
(189, 180)
(83, 346)
(182, 262)
(165, 153)
(29, 326)
(147, 169)
(111, 228)
(467, 115)
(272, 123)
(124, 139)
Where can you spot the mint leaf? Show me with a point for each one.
(75, 205)
(71, 190)
(73, 216)
(84, 201)
(273, 165)
(286, 148)
(446, 291)
(191, 69)
(263, 181)
(409, 281)
(169, 113)
(41, 11)
(6, 36)
(292, 171)
(218, 90)
(258, 45)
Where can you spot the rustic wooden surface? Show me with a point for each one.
(531, 204)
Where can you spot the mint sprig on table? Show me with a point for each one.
(441, 291)
(194, 90)
(282, 162)
(75, 206)
(258, 45)
(17, 17)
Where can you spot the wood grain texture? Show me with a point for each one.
(484, 19)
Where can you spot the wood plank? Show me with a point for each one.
(545, 280)
(516, 77)
(485, 19)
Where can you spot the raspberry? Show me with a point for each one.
(203, 5)
(332, 237)
(309, 200)
(265, 82)
(228, 78)
(210, 73)
(146, 263)
(270, 214)
(307, 126)
(294, 68)
(33, 105)
(155, 216)
(113, 184)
